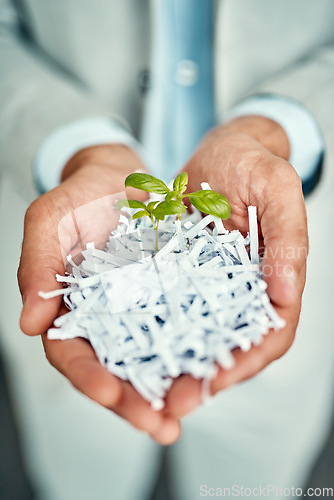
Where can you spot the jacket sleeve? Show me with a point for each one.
(310, 82)
(36, 97)
(301, 128)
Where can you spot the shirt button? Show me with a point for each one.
(186, 73)
(144, 81)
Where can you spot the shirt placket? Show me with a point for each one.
(180, 102)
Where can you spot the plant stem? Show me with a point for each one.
(156, 239)
(155, 226)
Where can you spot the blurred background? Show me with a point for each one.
(15, 485)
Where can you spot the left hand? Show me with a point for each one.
(62, 221)
(244, 161)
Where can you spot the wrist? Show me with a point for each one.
(104, 169)
(263, 130)
(114, 157)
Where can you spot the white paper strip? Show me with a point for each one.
(253, 234)
(151, 318)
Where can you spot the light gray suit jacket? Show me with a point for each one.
(83, 58)
(63, 60)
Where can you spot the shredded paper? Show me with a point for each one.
(151, 318)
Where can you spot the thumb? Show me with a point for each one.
(40, 261)
(284, 230)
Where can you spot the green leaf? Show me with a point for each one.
(151, 205)
(130, 204)
(146, 182)
(180, 182)
(168, 208)
(139, 214)
(211, 202)
(170, 195)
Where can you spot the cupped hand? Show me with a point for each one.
(62, 221)
(242, 162)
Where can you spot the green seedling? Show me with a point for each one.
(206, 200)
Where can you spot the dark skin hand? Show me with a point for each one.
(246, 161)
(251, 153)
(58, 223)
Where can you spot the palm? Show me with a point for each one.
(76, 212)
(81, 210)
(255, 177)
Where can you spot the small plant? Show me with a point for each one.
(205, 200)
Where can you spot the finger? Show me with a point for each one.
(168, 433)
(184, 396)
(186, 393)
(55, 227)
(40, 262)
(165, 429)
(132, 407)
(284, 230)
(248, 364)
(76, 360)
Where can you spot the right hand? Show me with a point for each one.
(57, 224)
(245, 160)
